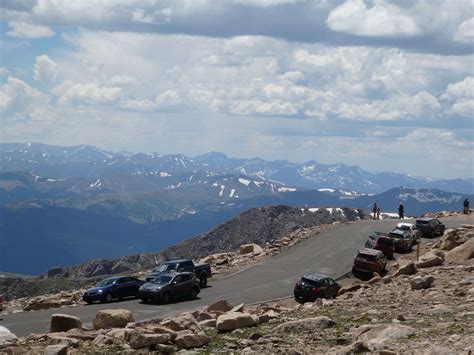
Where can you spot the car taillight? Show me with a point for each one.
(316, 289)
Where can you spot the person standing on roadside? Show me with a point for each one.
(378, 212)
(374, 210)
(466, 206)
(401, 211)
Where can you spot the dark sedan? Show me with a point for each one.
(312, 286)
(118, 287)
(166, 287)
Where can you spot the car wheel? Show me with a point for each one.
(89, 302)
(432, 235)
(193, 294)
(165, 299)
(203, 281)
(108, 298)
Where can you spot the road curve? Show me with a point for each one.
(330, 253)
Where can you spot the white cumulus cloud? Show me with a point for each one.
(45, 69)
(88, 93)
(465, 32)
(382, 19)
(27, 30)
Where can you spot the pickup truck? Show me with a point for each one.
(202, 271)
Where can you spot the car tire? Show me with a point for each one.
(203, 281)
(193, 294)
(433, 234)
(89, 302)
(108, 298)
(166, 298)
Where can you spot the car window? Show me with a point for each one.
(331, 282)
(308, 282)
(178, 279)
(163, 279)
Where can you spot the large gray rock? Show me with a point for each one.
(429, 260)
(308, 324)
(421, 282)
(185, 322)
(64, 322)
(219, 306)
(58, 349)
(407, 269)
(112, 318)
(234, 320)
(352, 288)
(7, 338)
(379, 335)
(138, 340)
(251, 248)
(189, 340)
(462, 252)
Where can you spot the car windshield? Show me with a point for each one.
(366, 257)
(404, 228)
(385, 241)
(164, 279)
(106, 282)
(166, 268)
(396, 235)
(422, 222)
(309, 282)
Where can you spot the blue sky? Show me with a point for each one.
(387, 85)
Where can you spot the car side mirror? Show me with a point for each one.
(174, 283)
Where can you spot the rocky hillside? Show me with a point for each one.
(423, 306)
(258, 225)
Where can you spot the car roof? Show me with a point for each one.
(399, 231)
(425, 219)
(369, 251)
(314, 276)
(405, 224)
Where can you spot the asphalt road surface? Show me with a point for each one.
(330, 253)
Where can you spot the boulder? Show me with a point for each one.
(102, 339)
(251, 248)
(219, 306)
(139, 340)
(377, 336)
(267, 316)
(159, 329)
(234, 320)
(64, 322)
(429, 260)
(118, 335)
(352, 288)
(307, 324)
(62, 338)
(407, 269)
(58, 349)
(448, 241)
(238, 308)
(7, 338)
(421, 282)
(209, 323)
(184, 322)
(188, 341)
(462, 252)
(112, 318)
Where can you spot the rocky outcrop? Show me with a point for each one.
(305, 325)
(462, 252)
(407, 269)
(64, 322)
(139, 340)
(251, 248)
(112, 318)
(189, 340)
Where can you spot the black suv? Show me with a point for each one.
(113, 287)
(430, 227)
(167, 286)
(312, 286)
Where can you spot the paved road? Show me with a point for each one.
(331, 253)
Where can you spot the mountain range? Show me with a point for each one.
(64, 205)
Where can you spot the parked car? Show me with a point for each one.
(403, 240)
(202, 271)
(169, 286)
(430, 227)
(409, 227)
(112, 288)
(382, 242)
(313, 285)
(369, 260)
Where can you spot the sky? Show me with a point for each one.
(386, 85)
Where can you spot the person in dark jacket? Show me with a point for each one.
(466, 206)
(401, 211)
(374, 210)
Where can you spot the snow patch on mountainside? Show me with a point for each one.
(244, 181)
(286, 189)
(429, 196)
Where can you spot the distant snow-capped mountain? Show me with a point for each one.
(91, 162)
